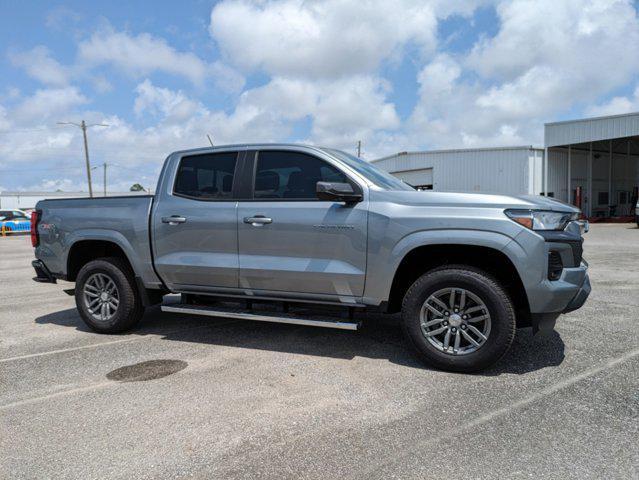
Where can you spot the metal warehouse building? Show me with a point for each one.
(592, 163)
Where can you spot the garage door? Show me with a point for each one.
(417, 178)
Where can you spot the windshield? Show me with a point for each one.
(376, 175)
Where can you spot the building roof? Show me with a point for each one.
(594, 129)
(458, 150)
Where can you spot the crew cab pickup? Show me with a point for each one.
(315, 236)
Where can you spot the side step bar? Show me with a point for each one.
(275, 317)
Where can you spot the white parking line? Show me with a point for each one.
(500, 412)
(28, 401)
(92, 386)
(70, 349)
(123, 340)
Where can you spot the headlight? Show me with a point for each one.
(541, 219)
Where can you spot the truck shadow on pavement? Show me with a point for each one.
(379, 338)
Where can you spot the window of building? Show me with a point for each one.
(623, 197)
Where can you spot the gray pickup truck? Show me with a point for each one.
(315, 236)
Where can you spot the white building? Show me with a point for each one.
(513, 170)
(592, 163)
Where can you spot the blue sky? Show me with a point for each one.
(398, 75)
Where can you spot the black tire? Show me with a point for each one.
(488, 290)
(129, 309)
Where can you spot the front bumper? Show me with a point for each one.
(565, 295)
(581, 296)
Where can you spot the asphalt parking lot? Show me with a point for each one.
(248, 400)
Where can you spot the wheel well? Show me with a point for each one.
(425, 258)
(84, 251)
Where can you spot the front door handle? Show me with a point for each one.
(173, 219)
(258, 220)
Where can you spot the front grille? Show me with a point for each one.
(555, 265)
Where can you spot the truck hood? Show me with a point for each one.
(477, 200)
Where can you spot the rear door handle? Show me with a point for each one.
(173, 219)
(258, 220)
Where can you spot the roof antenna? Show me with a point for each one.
(210, 141)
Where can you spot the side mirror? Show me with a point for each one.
(337, 192)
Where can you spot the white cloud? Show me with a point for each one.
(47, 104)
(341, 111)
(143, 54)
(547, 58)
(557, 53)
(62, 18)
(170, 104)
(319, 39)
(325, 85)
(334, 108)
(450, 115)
(616, 105)
(39, 64)
(438, 77)
(102, 85)
(4, 121)
(51, 185)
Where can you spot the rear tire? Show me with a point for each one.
(107, 297)
(458, 318)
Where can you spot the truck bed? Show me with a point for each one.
(123, 220)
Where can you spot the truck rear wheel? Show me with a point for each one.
(458, 318)
(107, 297)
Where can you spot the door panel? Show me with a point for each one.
(195, 226)
(289, 241)
(309, 247)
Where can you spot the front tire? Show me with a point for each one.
(458, 318)
(107, 297)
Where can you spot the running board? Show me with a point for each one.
(275, 317)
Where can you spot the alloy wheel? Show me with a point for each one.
(455, 321)
(101, 297)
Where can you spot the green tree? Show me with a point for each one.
(136, 187)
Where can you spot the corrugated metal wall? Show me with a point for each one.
(500, 170)
(558, 174)
(590, 130)
(421, 177)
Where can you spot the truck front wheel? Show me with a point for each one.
(106, 296)
(458, 318)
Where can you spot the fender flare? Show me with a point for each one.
(101, 235)
(477, 238)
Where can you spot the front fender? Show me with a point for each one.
(382, 270)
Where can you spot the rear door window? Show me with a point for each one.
(206, 177)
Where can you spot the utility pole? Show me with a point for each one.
(210, 141)
(104, 177)
(359, 148)
(84, 127)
